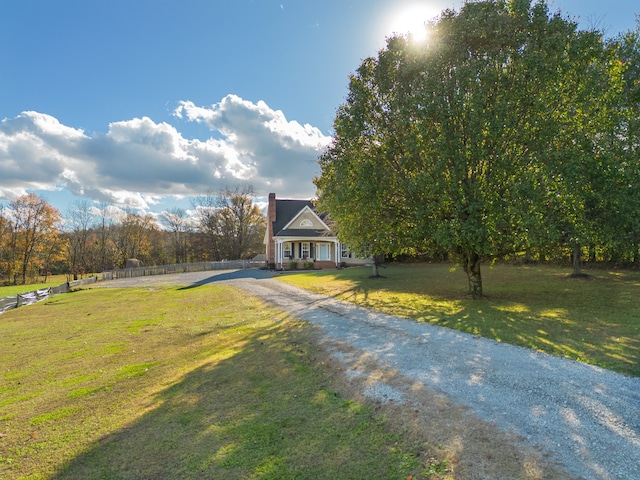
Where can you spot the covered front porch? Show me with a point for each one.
(324, 253)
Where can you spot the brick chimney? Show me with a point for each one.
(271, 211)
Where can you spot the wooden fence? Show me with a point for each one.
(179, 268)
(28, 298)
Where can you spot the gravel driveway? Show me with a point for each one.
(587, 418)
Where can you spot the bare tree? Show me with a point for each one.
(233, 224)
(180, 227)
(104, 232)
(79, 224)
(205, 207)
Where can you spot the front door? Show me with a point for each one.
(324, 252)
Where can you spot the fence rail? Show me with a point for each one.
(28, 298)
(179, 268)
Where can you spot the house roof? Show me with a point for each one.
(286, 210)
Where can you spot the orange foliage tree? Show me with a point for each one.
(37, 233)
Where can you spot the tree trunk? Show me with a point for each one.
(377, 261)
(576, 261)
(374, 271)
(472, 269)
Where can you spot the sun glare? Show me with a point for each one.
(411, 20)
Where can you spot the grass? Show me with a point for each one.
(168, 383)
(12, 290)
(595, 320)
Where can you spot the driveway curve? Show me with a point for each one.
(584, 417)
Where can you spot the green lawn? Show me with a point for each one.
(595, 320)
(180, 383)
(12, 290)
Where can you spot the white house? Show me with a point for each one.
(296, 232)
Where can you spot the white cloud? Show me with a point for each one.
(138, 161)
(35, 150)
(276, 152)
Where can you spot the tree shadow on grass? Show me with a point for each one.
(557, 327)
(280, 409)
(559, 315)
(265, 412)
(592, 410)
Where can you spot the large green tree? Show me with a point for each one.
(627, 247)
(580, 167)
(463, 144)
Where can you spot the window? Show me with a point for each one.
(306, 223)
(306, 250)
(287, 250)
(344, 251)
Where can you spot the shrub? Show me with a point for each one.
(293, 265)
(308, 265)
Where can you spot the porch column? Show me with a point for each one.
(278, 252)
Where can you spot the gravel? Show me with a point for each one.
(585, 417)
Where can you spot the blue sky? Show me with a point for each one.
(145, 103)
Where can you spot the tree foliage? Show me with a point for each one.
(628, 239)
(132, 237)
(8, 246)
(36, 239)
(492, 138)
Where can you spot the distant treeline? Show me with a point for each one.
(36, 239)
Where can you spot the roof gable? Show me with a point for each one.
(298, 216)
(306, 218)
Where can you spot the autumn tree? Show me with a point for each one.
(234, 225)
(132, 237)
(7, 244)
(37, 227)
(459, 144)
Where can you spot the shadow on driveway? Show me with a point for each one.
(232, 275)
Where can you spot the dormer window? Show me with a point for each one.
(306, 223)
